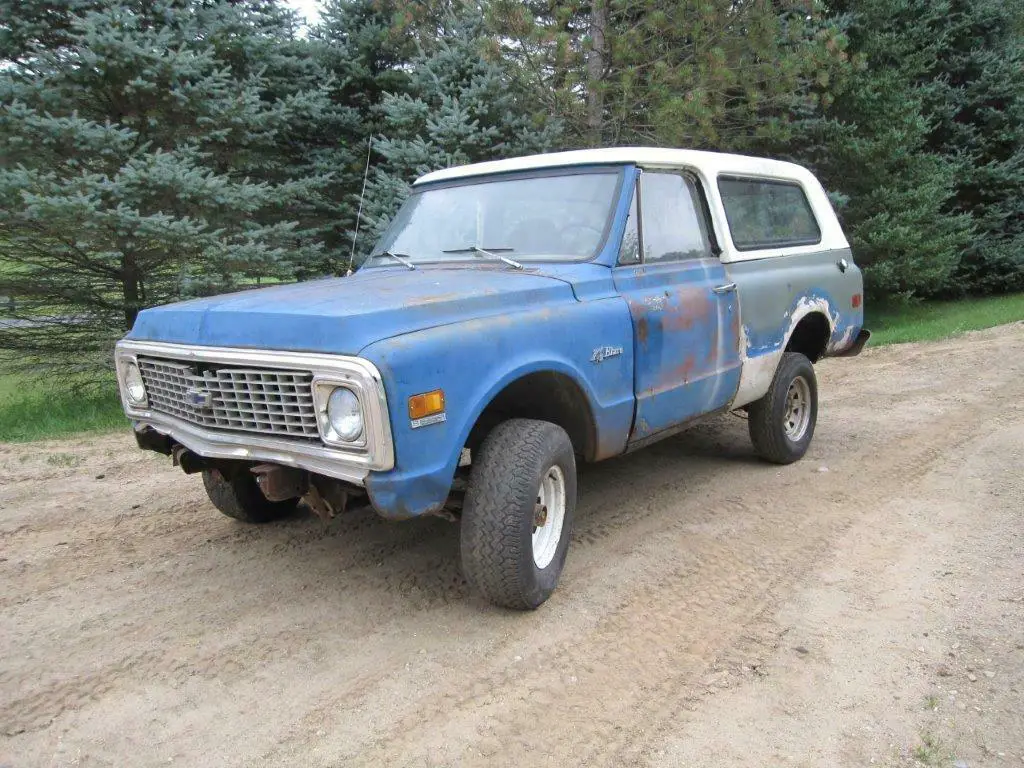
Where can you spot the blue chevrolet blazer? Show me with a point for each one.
(518, 317)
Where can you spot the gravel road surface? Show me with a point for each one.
(863, 606)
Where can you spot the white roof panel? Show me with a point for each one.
(711, 163)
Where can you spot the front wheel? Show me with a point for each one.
(782, 422)
(236, 493)
(518, 512)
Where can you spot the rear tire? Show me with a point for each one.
(782, 422)
(518, 513)
(237, 495)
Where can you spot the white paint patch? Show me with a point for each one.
(758, 370)
(756, 377)
(806, 306)
(844, 342)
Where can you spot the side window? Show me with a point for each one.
(674, 229)
(629, 251)
(767, 214)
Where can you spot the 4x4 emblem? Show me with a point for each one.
(198, 398)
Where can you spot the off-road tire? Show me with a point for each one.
(767, 416)
(237, 495)
(498, 514)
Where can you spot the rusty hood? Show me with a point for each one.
(344, 315)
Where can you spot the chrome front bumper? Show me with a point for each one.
(352, 464)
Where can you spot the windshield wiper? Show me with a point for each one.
(494, 253)
(401, 258)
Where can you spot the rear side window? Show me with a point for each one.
(767, 214)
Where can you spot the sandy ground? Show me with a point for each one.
(863, 606)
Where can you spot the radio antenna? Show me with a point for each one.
(359, 213)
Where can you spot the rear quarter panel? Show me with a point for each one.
(776, 293)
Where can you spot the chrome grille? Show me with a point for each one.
(250, 399)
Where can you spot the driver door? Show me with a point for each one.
(683, 306)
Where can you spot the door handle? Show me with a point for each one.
(727, 288)
(843, 265)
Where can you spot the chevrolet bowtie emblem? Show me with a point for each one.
(198, 398)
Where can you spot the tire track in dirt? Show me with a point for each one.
(356, 643)
(619, 656)
(662, 623)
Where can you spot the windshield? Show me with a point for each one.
(538, 218)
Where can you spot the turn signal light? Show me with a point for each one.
(426, 404)
(856, 300)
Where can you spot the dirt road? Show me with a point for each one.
(865, 605)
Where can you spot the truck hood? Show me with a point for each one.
(344, 315)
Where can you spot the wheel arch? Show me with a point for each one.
(545, 394)
(810, 336)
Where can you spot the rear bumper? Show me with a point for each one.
(858, 345)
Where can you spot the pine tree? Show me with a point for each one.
(976, 107)
(460, 108)
(146, 151)
(719, 75)
(365, 46)
(870, 148)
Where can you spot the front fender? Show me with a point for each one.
(472, 362)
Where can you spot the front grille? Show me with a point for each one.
(250, 399)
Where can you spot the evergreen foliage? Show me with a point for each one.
(154, 149)
(977, 113)
(459, 108)
(146, 152)
(869, 146)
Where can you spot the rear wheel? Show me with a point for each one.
(782, 422)
(236, 493)
(518, 513)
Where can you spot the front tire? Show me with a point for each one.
(518, 513)
(236, 493)
(782, 422)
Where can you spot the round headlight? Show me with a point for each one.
(344, 414)
(134, 386)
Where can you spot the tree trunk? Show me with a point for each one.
(595, 70)
(130, 289)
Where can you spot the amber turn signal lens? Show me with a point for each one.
(426, 404)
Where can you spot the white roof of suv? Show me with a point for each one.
(706, 165)
(710, 163)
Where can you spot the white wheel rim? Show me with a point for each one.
(549, 515)
(798, 409)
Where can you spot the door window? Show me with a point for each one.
(629, 251)
(674, 229)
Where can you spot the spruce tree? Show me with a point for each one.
(365, 47)
(976, 107)
(869, 146)
(147, 150)
(459, 108)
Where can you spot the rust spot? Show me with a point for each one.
(642, 329)
(693, 306)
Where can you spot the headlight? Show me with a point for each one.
(134, 386)
(344, 415)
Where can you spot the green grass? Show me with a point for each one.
(941, 319)
(32, 410)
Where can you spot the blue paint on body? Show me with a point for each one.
(473, 328)
(686, 341)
